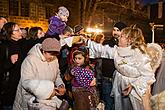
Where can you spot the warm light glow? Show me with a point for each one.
(98, 30)
(89, 30)
(94, 30)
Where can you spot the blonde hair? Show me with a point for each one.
(98, 37)
(136, 38)
(153, 50)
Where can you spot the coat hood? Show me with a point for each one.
(35, 50)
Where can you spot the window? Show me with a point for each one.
(25, 8)
(19, 8)
(14, 7)
(163, 10)
(49, 12)
(154, 11)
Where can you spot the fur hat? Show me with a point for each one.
(77, 28)
(42, 89)
(120, 25)
(63, 11)
(156, 53)
(51, 44)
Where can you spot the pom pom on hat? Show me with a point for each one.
(51, 44)
(42, 89)
(120, 25)
(63, 11)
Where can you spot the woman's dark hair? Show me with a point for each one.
(7, 30)
(33, 32)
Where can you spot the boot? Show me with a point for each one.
(64, 105)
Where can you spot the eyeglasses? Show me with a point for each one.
(17, 30)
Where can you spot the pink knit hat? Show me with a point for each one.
(51, 44)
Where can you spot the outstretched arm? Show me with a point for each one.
(97, 50)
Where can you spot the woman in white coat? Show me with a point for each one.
(135, 64)
(40, 75)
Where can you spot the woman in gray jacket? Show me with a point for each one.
(40, 75)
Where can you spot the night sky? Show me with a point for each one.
(150, 1)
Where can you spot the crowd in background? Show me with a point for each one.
(65, 68)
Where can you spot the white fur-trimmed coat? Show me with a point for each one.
(132, 67)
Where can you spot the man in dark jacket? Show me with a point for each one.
(107, 69)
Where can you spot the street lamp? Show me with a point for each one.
(153, 25)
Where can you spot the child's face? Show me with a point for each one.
(79, 59)
(64, 18)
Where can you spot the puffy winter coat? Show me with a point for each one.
(35, 67)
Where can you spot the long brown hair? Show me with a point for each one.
(153, 50)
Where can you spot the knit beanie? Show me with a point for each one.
(63, 11)
(42, 89)
(51, 44)
(120, 25)
(77, 28)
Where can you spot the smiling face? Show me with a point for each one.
(116, 32)
(40, 34)
(64, 18)
(123, 40)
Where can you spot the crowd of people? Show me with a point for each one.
(64, 68)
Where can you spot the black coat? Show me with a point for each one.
(105, 67)
(9, 71)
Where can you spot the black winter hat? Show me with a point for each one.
(120, 25)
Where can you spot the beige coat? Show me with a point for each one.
(35, 67)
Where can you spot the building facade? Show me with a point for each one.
(30, 13)
(156, 16)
